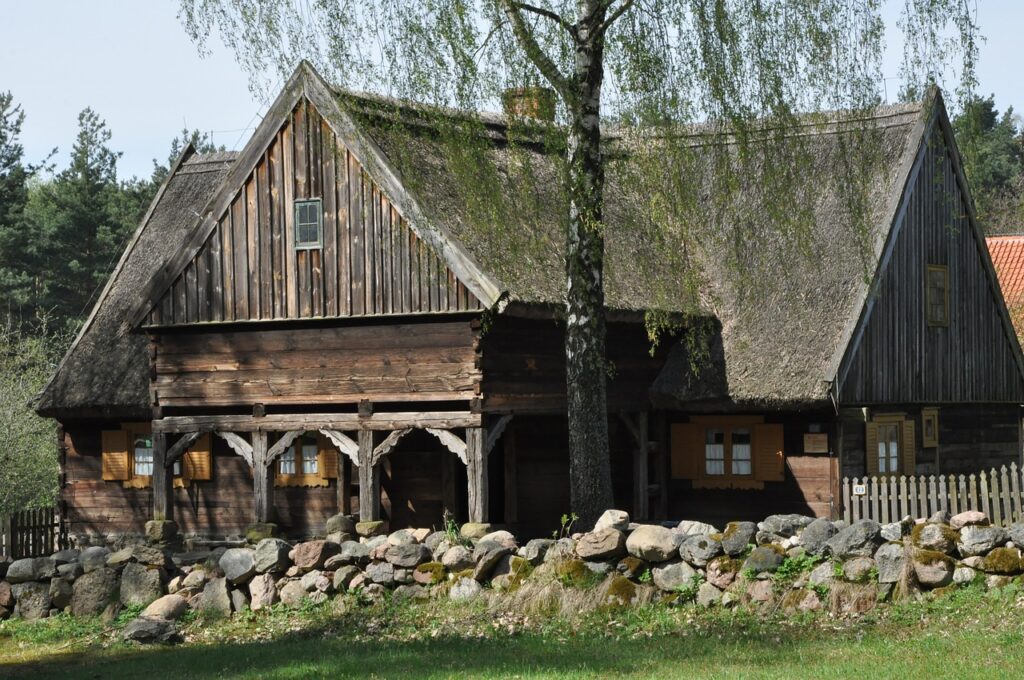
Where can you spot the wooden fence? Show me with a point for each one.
(889, 499)
(32, 533)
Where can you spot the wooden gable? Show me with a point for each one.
(898, 354)
(371, 263)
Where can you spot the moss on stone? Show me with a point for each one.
(575, 573)
(730, 530)
(948, 532)
(932, 556)
(631, 567)
(434, 569)
(1002, 561)
(620, 591)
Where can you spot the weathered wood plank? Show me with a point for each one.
(343, 422)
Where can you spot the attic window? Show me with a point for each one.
(308, 224)
(937, 294)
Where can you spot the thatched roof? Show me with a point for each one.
(783, 296)
(106, 370)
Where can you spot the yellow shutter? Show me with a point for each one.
(327, 459)
(908, 448)
(871, 447)
(769, 453)
(687, 450)
(198, 460)
(116, 461)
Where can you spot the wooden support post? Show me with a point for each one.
(476, 471)
(263, 488)
(641, 483)
(369, 479)
(511, 478)
(163, 478)
(344, 490)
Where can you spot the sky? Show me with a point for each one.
(133, 64)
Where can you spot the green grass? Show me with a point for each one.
(970, 633)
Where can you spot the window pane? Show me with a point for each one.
(741, 452)
(309, 459)
(714, 452)
(177, 468)
(286, 463)
(144, 457)
(307, 223)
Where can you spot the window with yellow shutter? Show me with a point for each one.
(127, 457)
(302, 463)
(728, 452)
(890, 445)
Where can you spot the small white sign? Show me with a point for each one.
(859, 489)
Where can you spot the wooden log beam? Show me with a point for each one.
(163, 500)
(284, 422)
(369, 479)
(263, 488)
(476, 471)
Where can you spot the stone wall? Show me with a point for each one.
(786, 562)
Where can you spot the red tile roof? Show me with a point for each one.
(1008, 257)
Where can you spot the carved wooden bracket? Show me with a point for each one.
(238, 445)
(345, 444)
(179, 448)
(384, 448)
(494, 433)
(452, 442)
(282, 444)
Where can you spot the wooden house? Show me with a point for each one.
(321, 323)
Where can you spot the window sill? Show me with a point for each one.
(299, 480)
(727, 483)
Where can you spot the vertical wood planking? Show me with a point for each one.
(253, 246)
(291, 290)
(266, 280)
(216, 275)
(343, 235)
(240, 256)
(330, 263)
(356, 236)
(277, 225)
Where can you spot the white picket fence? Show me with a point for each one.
(889, 499)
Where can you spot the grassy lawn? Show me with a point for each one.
(970, 633)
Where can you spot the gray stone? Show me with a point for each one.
(689, 527)
(896, 531)
(535, 549)
(408, 555)
(353, 552)
(708, 595)
(762, 558)
(652, 543)
(601, 544)
(465, 589)
(32, 600)
(68, 556)
(475, 530)
(94, 558)
(458, 558)
(70, 571)
(239, 601)
(161, 531)
(148, 555)
(932, 568)
(964, 575)
(501, 537)
(600, 568)
(890, 559)
(860, 539)
(60, 592)
(254, 533)
(271, 556)
(816, 535)
(761, 591)
(997, 581)
(169, 607)
(487, 554)
(215, 598)
(969, 518)
(317, 581)
(31, 569)
(148, 630)
(673, 576)
(433, 540)
(784, 526)
(140, 585)
(940, 517)
(344, 576)
(93, 591)
(613, 519)
(698, 550)
(341, 524)
(194, 580)
(822, 575)
(262, 592)
(370, 528)
(562, 549)
(381, 572)
(938, 537)
(412, 591)
(1016, 533)
(979, 540)
(238, 565)
(737, 536)
(858, 569)
(401, 537)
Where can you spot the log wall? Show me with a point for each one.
(429, 361)
(370, 263)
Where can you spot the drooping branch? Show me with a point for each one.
(546, 13)
(614, 16)
(535, 52)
